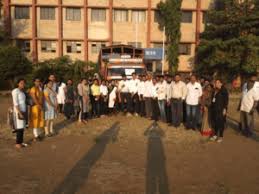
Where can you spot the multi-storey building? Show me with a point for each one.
(79, 28)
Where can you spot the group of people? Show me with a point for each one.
(197, 104)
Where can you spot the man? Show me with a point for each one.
(168, 104)
(103, 98)
(123, 90)
(194, 92)
(161, 96)
(134, 98)
(147, 96)
(248, 105)
(141, 89)
(95, 90)
(154, 101)
(176, 96)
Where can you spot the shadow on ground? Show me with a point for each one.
(156, 176)
(78, 175)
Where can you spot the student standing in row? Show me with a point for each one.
(36, 109)
(123, 90)
(219, 106)
(168, 101)
(154, 100)
(103, 98)
(134, 98)
(70, 96)
(194, 92)
(148, 96)
(161, 96)
(176, 96)
(50, 107)
(19, 112)
(95, 90)
(141, 89)
(84, 100)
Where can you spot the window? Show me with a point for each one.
(96, 47)
(135, 44)
(157, 45)
(120, 15)
(22, 13)
(187, 17)
(138, 16)
(48, 46)
(184, 49)
(24, 45)
(98, 15)
(73, 14)
(47, 13)
(73, 47)
(156, 16)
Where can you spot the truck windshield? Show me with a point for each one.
(127, 71)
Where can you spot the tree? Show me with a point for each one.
(13, 64)
(230, 43)
(169, 17)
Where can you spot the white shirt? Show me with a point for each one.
(194, 92)
(133, 86)
(147, 91)
(19, 99)
(177, 90)
(161, 91)
(250, 98)
(154, 89)
(61, 96)
(141, 88)
(123, 86)
(104, 90)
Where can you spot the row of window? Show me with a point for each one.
(76, 47)
(97, 15)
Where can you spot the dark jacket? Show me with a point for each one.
(219, 101)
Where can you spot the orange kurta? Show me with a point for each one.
(36, 113)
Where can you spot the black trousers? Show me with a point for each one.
(19, 136)
(103, 105)
(148, 107)
(218, 122)
(142, 111)
(155, 109)
(177, 112)
(96, 107)
(134, 103)
(125, 102)
(168, 113)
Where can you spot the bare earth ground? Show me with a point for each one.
(122, 155)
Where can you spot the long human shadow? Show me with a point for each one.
(156, 176)
(80, 172)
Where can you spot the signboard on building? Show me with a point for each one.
(125, 60)
(153, 54)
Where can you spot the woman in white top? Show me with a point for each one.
(61, 96)
(19, 112)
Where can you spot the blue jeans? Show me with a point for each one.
(191, 116)
(161, 105)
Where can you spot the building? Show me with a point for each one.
(79, 28)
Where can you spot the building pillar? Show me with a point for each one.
(110, 22)
(149, 23)
(34, 32)
(198, 23)
(7, 17)
(86, 30)
(60, 29)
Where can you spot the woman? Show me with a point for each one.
(70, 99)
(205, 106)
(51, 107)
(19, 112)
(112, 96)
(61, 96)
(219, 106)
(36, 110)
(83, 92)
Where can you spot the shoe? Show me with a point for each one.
(136, 114)
(219, 140)
(25, 145)
(128, 114)
(18, 146)
(214, 138)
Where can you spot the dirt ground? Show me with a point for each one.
(128, 155)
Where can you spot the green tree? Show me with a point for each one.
(13, 64)
(230, 43)
(169, 13)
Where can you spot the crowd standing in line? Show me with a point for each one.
(199, 105)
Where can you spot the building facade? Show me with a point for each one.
(79, 28)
